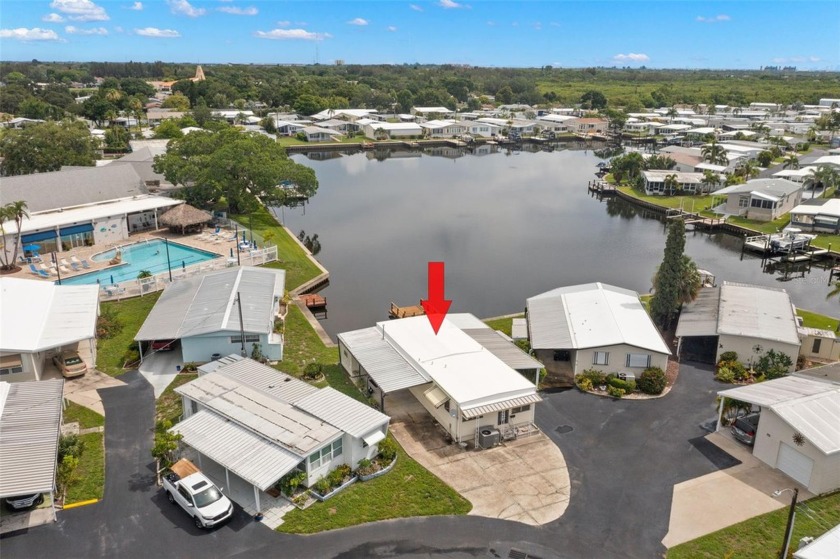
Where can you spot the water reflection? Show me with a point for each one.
(508, 224)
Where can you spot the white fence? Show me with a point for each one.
(140, 287)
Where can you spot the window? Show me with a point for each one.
(185, 494)
(601, 358)
(321, 457)
(193, 406)
(743, 201)
(503, 417)
(10, 364)
(638, 360)
(249, 338)
(816, 347)
(520, 409)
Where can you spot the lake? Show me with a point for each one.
(508, 225)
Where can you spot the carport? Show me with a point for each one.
(697, 330)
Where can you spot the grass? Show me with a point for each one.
(689, 203)
(293, 141)
(407, 490)
(302, 345)
(338, 379)
(89, 480)
(85, 417)
(814, 320)
(291, 257)
(168, 406)
(761, 537)
(503, 324)
(111, 353)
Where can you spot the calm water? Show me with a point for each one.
(507, 227)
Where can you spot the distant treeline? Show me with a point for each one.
(311, 88)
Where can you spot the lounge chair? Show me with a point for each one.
(75, 266)
(22, 259)
(74, 260)
(64, 269)
(34, 270)
(85, 264)
(65, 263)
(43, 274)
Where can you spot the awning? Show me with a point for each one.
(503, 405)
(83, 228)
(827, 219)
(374, 437)
(39, 236)
(436, 396)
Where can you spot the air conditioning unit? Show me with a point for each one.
(488, 437)
(627, 376)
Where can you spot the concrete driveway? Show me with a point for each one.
(160, 369)
(525, 480)
(83, 390)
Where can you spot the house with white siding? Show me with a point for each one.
(655, 182)
(761, 199)
(443, 128)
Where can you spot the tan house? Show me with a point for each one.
(761, 199)
(819, 344)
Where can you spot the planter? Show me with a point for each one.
(335, 491)
(381, 472)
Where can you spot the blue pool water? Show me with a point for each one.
(148, 255)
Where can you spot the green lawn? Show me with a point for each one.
(86, 418)
(293, 141)
(291, 257)
(90, 475)
(407, 490)
(303, 346)
(111, 354)
(688, 203)
(761, 537)
(814, 320)
(338, 379)
(168, 406)
(503, 324)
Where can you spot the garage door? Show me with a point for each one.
(795, 464)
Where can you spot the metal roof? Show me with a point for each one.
(774, 187)
(251, 457)
(207, 304)
(811, 407)
(30, 420)
(39, 315)
(700, 316)
(271, 381)
(388, 369)
(501, 405)
(757, 312)
(824, 547)
(501, 346)
(342, 411)
(519, 329)
(591, 315)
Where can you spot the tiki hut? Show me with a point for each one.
(185, 219)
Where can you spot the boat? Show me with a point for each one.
(790, 239)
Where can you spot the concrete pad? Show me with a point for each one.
(12, 522)
(83, 390)
(462, 476)
(160, 369)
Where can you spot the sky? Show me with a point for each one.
(745, 34)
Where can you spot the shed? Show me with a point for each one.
(185, 219)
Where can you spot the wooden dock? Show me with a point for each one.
(405, 312)
(315, 303)
(602, 188)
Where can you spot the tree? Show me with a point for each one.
(177, 102)
(659, 162)
(116, 138)
(616, 120)
(269, 125)
(46, 147)
(66, 474)
(714, 153)
(764, 158)
(202, 113)
(627, 166)
(672, 184)
(593, 99)
(747, 169)
(791, 162)
(710, 180)
(237, 166)
(168, 129)
(668, 288)
(824, 177)
(166, 443)
(13, 211)
(504, 95)
(97, 109)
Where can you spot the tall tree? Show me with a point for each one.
(825, 177)
(13, 211)
(668, 281)
(791, 162)
(46, 147)
(710, 180)
(593, 99)
(714, 153)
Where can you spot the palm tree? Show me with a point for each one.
(672, 114)
(747, 169)
(710, 180)
(13, 211)
(671, 183)
(791, 162)
(824, 176)
(714, 153)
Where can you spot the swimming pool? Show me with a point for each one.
(146, 255)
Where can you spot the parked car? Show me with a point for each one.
(23, 502)
(197, 495)
(70, 364)
(744, 428)
(164, 345)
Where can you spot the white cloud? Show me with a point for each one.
(72, 30)
(184, 8)
(80, 10)
(631, 57)
(714, 19)
(34, 34)
(156, 33)
(52, 18)
(358, 21)
(249, 11)
(392, 28)
(450, 4)
(137, 6)
(796, 59)
(291, 35)
(284, 23)
(415, 7)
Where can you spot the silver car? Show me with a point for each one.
(744, 428)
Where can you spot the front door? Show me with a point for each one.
(504, 416)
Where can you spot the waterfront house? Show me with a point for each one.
(593, 326)
(761, 199)
(747, 319)
(589, 126)
(655, 182)
(466, 377)
(41, 319)
(557, 123)
(429, 112)
(443, 128)
(318, 134)
(817, 214)
(347, 115)
(251, 424)
(203, 312)
(375, 128)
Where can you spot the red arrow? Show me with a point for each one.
(436, 306)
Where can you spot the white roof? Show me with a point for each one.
(811, 407)
(702, 130)
(248, 455)
(333, 113)
(389, 370)
(591, 315)
(824, 547)
(556, 118)
(827, 160)
(394, 126)
(757, 312)
(431, 124)
(803, 172)
(432, 110)
(39, 315)
(831, 207)
(341, 411)
(469, 373)
(30, 419)
(681, 176)
(206, 304)
(773, 187)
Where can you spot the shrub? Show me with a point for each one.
(70, 445)
(524, 345)
(725, 374)
(291, 482)
(595, 376)
(312, 371)
(388, 450)
(627, 386)
(322, 486)
(365, 467)
(335, 477)
(108, 324)
(773, 365)
(728, 356)
(583, 384)
(615, 392)
(652, 381)
(739, 370)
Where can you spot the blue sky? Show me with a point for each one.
(663, 34)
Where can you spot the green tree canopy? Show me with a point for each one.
(168, 129)
(177, 102)
(46, 147)
(593, 99)
(676, 279)
(233, 165)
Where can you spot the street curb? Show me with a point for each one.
(80, 504)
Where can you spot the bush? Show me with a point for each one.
(652, 381)
(322, 486)
(312, 371)
(615, 392)
(70, 445)
(388, 450)
(627, 386)
(774, 365)
(291, 482)
(108, 324)
(739, 370)
(725, 374)
(524, 345)
(595, 376)
(583, 383)
(728, 356)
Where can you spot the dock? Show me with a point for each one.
(600, 187)
(405, 312)
(315, 303)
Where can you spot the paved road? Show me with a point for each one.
(624, 458)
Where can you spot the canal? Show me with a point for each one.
(508, 225)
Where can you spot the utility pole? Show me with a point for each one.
(789, 528)
(168, 263)
(242, 351)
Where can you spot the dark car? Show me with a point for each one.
(744, 428)
(164, 345)
(23, 502)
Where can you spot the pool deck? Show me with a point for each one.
(222, 248)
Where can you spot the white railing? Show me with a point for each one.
(144, 286)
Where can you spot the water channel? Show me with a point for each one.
(508, 225)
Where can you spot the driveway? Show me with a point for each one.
(624, 457)
(160, 369)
